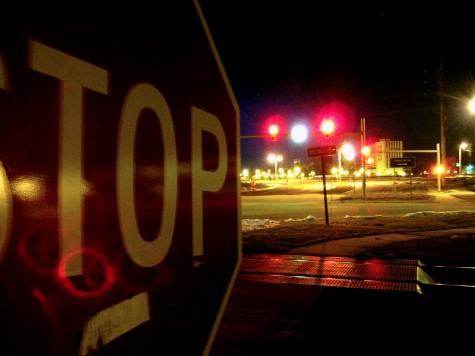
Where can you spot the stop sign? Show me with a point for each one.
(119, 195)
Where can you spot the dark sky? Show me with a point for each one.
(299, 59)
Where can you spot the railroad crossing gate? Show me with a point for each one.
(119, 195)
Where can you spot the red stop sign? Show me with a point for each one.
(119, 219)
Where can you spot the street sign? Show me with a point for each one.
(402, 162)
(321, 151)
(119, 184)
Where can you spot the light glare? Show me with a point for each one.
(328, 126)
(299, 134)
(471, 106)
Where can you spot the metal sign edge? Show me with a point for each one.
(232, 280)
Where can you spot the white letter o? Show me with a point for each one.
(144, 253)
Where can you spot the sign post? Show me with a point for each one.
(119, 185)
(402, 162)
(323, 151)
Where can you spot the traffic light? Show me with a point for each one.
(327, 127)
(366, 150)
(273, 131)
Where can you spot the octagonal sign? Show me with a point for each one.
(119, 195)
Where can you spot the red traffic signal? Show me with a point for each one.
(327, 127)
(273, 131)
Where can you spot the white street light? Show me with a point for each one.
(463, 146)
(273, 158)
(348, 151)
(471, 106)
(299, 133)
(339, 166)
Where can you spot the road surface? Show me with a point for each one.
(301, 204)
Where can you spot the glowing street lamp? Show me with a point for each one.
(348, 151)
(299, 133)
(471, 106)
(463, 146)
(273, 158)
(366, 151)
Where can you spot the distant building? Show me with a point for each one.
(381, 152)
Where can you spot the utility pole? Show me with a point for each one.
(363, 157)
(443, 118)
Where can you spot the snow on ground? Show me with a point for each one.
(257, 224)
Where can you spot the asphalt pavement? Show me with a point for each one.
(318, 299)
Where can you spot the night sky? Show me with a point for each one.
(299, 60)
